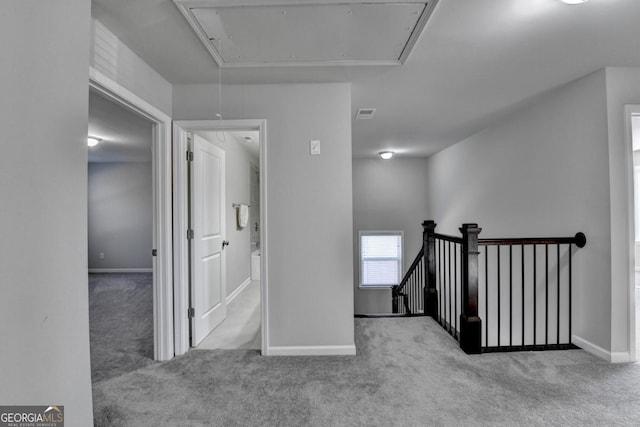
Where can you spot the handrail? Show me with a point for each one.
(448, 278)
(447, 238)
(451, 284)
(580, 240)
(397, 288)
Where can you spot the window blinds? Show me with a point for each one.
(381, 257)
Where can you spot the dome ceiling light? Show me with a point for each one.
(573, 1)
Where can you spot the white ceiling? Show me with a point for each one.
(474, 61)
(251, 145)
(126, 136)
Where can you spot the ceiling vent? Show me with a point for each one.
(365, 113)
(248, 33)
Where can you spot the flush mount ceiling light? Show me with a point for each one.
(92, 141)
(248, 33)
(573, 1)
(386, 155)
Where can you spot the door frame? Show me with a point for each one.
(181, 129)
(163, 328)
(629, 112)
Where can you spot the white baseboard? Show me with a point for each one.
(589, 347)
(239, 289)
(120, 270)
(312, 350)
(620, 357)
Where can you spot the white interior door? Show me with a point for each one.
(208, 284)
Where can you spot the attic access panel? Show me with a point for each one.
(297, 33)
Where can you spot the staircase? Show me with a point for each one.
(408, 295)
(492, 295)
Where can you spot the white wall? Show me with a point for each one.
(237, 191)
(310, 269)
(113, 58)
(623, 87)
(387, 195)
(635, 137)
(44, 320)
(120, 215)
(542, 171)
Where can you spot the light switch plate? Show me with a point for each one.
(314, 147)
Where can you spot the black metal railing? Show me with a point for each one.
(448, 254)
(525, 288)
(521, 288)
(408, 295)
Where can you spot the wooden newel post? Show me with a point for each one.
(394, 299)
(430, 291)
(470, 323)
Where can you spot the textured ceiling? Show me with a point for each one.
(474, 62)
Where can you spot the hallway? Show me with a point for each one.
(241, 328)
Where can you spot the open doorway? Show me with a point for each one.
(120, 239)
(237, 246)
(240, 328)
(161, 249)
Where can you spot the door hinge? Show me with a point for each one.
(189, 156)
(189, 234)
(154, 252)
(191, 312)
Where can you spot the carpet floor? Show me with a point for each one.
(120, 323)
(407, 372)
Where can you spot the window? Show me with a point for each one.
(380, 258)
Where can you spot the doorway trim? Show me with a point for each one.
(181, 129)
(163, 340)
(629, 112)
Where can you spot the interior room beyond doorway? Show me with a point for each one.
(241, 327)
(120, 238)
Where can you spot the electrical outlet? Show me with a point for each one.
(314, 147)
(101, 255)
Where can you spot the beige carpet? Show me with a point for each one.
(120, 323)
(408, 372)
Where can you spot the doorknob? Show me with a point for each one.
(225, 243)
